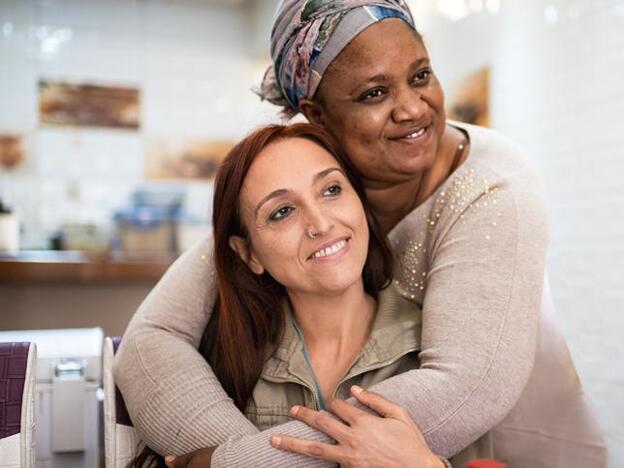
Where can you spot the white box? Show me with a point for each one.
(68, 414)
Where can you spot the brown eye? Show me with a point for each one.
(372, 95)
(280, 213)
(333, 190)
(422, 76)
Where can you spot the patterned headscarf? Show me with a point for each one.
(308, 35)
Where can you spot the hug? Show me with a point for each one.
(373, 292)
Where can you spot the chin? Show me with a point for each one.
(418, 162)
(339, 284)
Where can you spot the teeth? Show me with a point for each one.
(332, 249)
(415, 134)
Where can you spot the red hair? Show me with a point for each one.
(248, 319)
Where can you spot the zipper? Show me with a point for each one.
(373, 367)
(308, 360)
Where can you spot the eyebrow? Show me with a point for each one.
(327, 171)
(281, 192)
(383, 77)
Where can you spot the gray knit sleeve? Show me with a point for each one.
(485, 252)
(175, 401)
(480, 317)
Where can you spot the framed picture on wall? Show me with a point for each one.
(12, 152)
(88, 105)
(184, 158)
(469, 100)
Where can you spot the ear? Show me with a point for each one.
(241, 247)
(312, 111)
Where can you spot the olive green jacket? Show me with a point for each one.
(392, 348)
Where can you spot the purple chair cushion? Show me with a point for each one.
(121, 412)
(13, 362)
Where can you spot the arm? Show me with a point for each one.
(167, 385)
(174, 399)
(392, 438)
(478, 348)
(480, 316)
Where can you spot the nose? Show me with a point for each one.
(319, 223)
(408, 105)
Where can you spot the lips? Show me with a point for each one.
(416, 134)
(329, 248)
(411, 134)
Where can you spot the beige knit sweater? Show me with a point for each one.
(472, 256)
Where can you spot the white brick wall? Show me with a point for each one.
(557, 90)
(189, 60)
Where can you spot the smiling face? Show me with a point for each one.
(293, 188)
(382, 102)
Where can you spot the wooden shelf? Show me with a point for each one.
(62, 267)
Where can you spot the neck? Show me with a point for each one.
(334, 321)
(393, 201)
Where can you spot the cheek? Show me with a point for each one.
(357, 217)
(436, 96)
(277, 251)
(363, 226)
(359, 139)
(356, 128)
(367, 125)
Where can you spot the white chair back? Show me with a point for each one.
(120, 439)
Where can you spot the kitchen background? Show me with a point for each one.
(553, 72)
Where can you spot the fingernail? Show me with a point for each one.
(356, 390)
(276, 441)
(169, 458)
(294, 410)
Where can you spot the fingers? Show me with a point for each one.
(320, 420)
(177, 462)
(346, 411)
(307, 447)
(378, 403)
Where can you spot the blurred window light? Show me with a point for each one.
(492, 5)
(52, 39)
(454, 9)
(459, 9)
(573, 12)
(50, 45)
(550, 14)
(476, 5)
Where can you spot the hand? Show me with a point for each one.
(363, 439)
(198, 459)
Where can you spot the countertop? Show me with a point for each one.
(49, 266)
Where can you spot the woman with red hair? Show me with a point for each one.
(305, 312)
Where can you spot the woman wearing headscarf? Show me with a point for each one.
(468, 226)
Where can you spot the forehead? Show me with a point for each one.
(381, 48)
(286, 164)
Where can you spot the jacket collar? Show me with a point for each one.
(395, 332)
